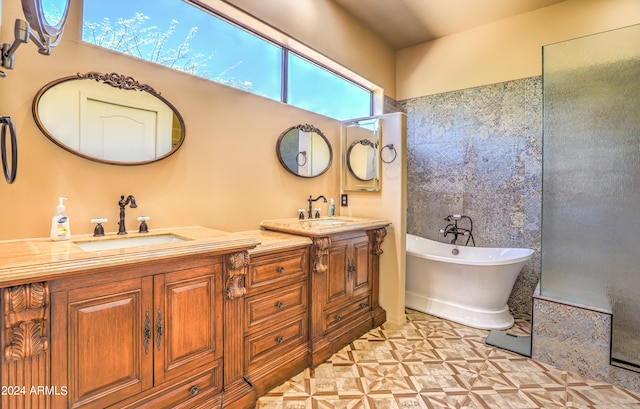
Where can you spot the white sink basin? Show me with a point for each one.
(128, 242)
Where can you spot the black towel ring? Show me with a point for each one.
(7, 123)
(391, 148)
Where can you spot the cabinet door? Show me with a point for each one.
(360, 260)
(187, 320)
(337, 284)
(102, 355)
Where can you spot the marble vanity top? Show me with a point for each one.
(41, 259)
(323, 226)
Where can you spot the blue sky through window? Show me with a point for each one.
(179, 35)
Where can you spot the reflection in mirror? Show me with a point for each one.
(361, 159)
(304, 151)
(361, 155)
(108, 118)
(55, 11)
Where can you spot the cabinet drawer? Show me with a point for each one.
(340, 316)
(274, 270)
(275, 306)
(184, 394)
(266, 345)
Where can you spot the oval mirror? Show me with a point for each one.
(108, 118)
(304, 151)
(362, 160)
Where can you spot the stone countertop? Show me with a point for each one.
(323, 226)
(274, 241)
(41, 259)
(28, 260)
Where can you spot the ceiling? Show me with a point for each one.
(403, 23)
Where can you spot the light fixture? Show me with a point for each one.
(44, 25)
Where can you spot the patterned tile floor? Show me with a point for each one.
(434, 363)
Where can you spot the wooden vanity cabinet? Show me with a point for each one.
(141, 336)
(276, 322)
(344, 288)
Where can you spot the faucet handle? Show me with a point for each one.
(143, 224)
(98, 231)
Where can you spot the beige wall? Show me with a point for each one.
(226, 175)
(505, 50)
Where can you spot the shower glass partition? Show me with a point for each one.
(591, 180)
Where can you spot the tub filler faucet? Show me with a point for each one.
(131, 201)
(453, 229)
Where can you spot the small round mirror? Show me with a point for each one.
(47, 18)
(304, 151)
(361, 160)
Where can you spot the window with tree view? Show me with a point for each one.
(181, 36)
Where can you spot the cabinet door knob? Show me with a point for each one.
(194, 390)
(363, 305)
(338, 318)
(280, 269)
(279, 305)
(279, 340)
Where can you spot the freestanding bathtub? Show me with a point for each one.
(471, 287)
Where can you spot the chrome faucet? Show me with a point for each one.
(131, 201)
(311, 200)
(452, 228)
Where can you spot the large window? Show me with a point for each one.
(184, 37)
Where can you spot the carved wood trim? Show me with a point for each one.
(26, 297)
(26, 312)
(321, 252)
(377, 237)
(237, 265)
(119, 81)
(27, 339)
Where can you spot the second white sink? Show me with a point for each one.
(128, 242)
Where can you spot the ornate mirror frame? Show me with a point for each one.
(302, 158)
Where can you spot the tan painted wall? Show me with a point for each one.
(225, 176)
(505, 50)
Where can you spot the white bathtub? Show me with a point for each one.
(471, 288)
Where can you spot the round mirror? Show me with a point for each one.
(304, 151)
(108, 118)
(47, 18)
(361, 160)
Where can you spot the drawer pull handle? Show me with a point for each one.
(159, 329)
(194, 390)
(279, 305)
(363, 305)
(279, 340)
(280, 269)
(147, 333)
(338, 318)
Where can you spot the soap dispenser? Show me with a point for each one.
(60, 229)
(332, 208)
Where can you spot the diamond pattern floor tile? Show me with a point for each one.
(430, 363)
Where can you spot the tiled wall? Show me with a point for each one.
(478, 152)
(577, 339)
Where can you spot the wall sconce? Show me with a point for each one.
(44, 25)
